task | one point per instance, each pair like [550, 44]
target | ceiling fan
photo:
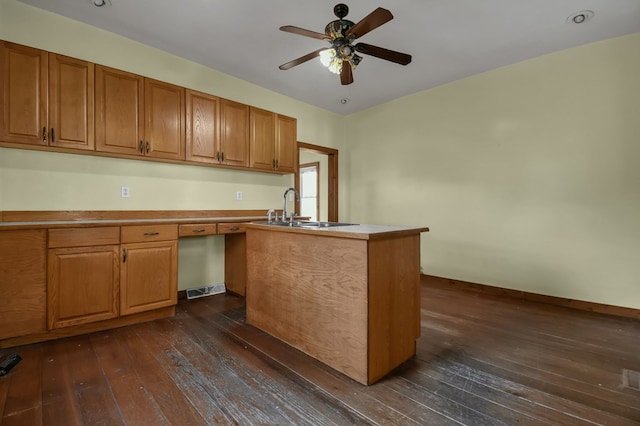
[341, 57]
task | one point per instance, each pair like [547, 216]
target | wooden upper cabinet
[71, 102]
[119, 111]
[263, 139]
[202, 127]
[138, 116]
[24, 94]
[273, 141]
[217, 130]
[234, 133]
[286, 144]
[47, 99]
[164, 120]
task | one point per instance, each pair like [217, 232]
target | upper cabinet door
[119, 111]
[71, 106]
[234, 133]
[263, 139]
[164, 120]
[286, 144]
[202, 126]
[23, 110]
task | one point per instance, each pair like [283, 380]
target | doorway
[327, 196]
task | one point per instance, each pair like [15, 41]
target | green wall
[527, 175]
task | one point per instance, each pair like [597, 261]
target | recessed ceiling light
[101, 3]
[580, 17]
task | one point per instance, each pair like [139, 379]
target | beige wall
[528, 176]
[31, 180]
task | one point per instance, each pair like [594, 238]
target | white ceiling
[448, 39]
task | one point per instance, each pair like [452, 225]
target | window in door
[309, 193]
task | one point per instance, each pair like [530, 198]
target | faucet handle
[291, 217]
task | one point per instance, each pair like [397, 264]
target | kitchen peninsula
[345, 295]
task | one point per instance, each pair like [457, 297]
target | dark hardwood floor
[481, 360]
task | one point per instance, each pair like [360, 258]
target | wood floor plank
[378, 407]
[482, 359]
[23, 403]
[59, 402]
[175, 405]
[130, 393]
[95, 399]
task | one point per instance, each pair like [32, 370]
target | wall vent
[631, 379]
[194, 293]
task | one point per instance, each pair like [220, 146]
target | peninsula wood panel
[311, 292]
[394, 302]
[23, 282]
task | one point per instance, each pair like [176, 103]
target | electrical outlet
[239, 195]
[124, 192]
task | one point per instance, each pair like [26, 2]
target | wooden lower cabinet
[83, 274]
[23, 282]
[149, 273]
[82, 285]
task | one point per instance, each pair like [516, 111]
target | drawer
[144, 233]
[79, 237]
[232, 228]
[197, 229]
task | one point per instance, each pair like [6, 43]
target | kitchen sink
[306, 224]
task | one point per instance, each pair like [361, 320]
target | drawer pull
[234, 228]
[197, 231]
[151, 234]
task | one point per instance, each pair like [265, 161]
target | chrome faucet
[284, 207]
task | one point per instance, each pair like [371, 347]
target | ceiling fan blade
[370, 22]
[303, 32]
[346, 75]
[382, 53]
[301, 59]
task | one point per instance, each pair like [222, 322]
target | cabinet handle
[151, 234]
[141, 147]
[53, 135]
[273, 164]
[124, 255]
[277, 164]
[218, 155]
[223, 156]
[44, 134]
[197, 231]
[148, 147]
[234, 228]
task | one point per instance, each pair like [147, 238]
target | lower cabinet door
[82, 285]
[149, 276]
